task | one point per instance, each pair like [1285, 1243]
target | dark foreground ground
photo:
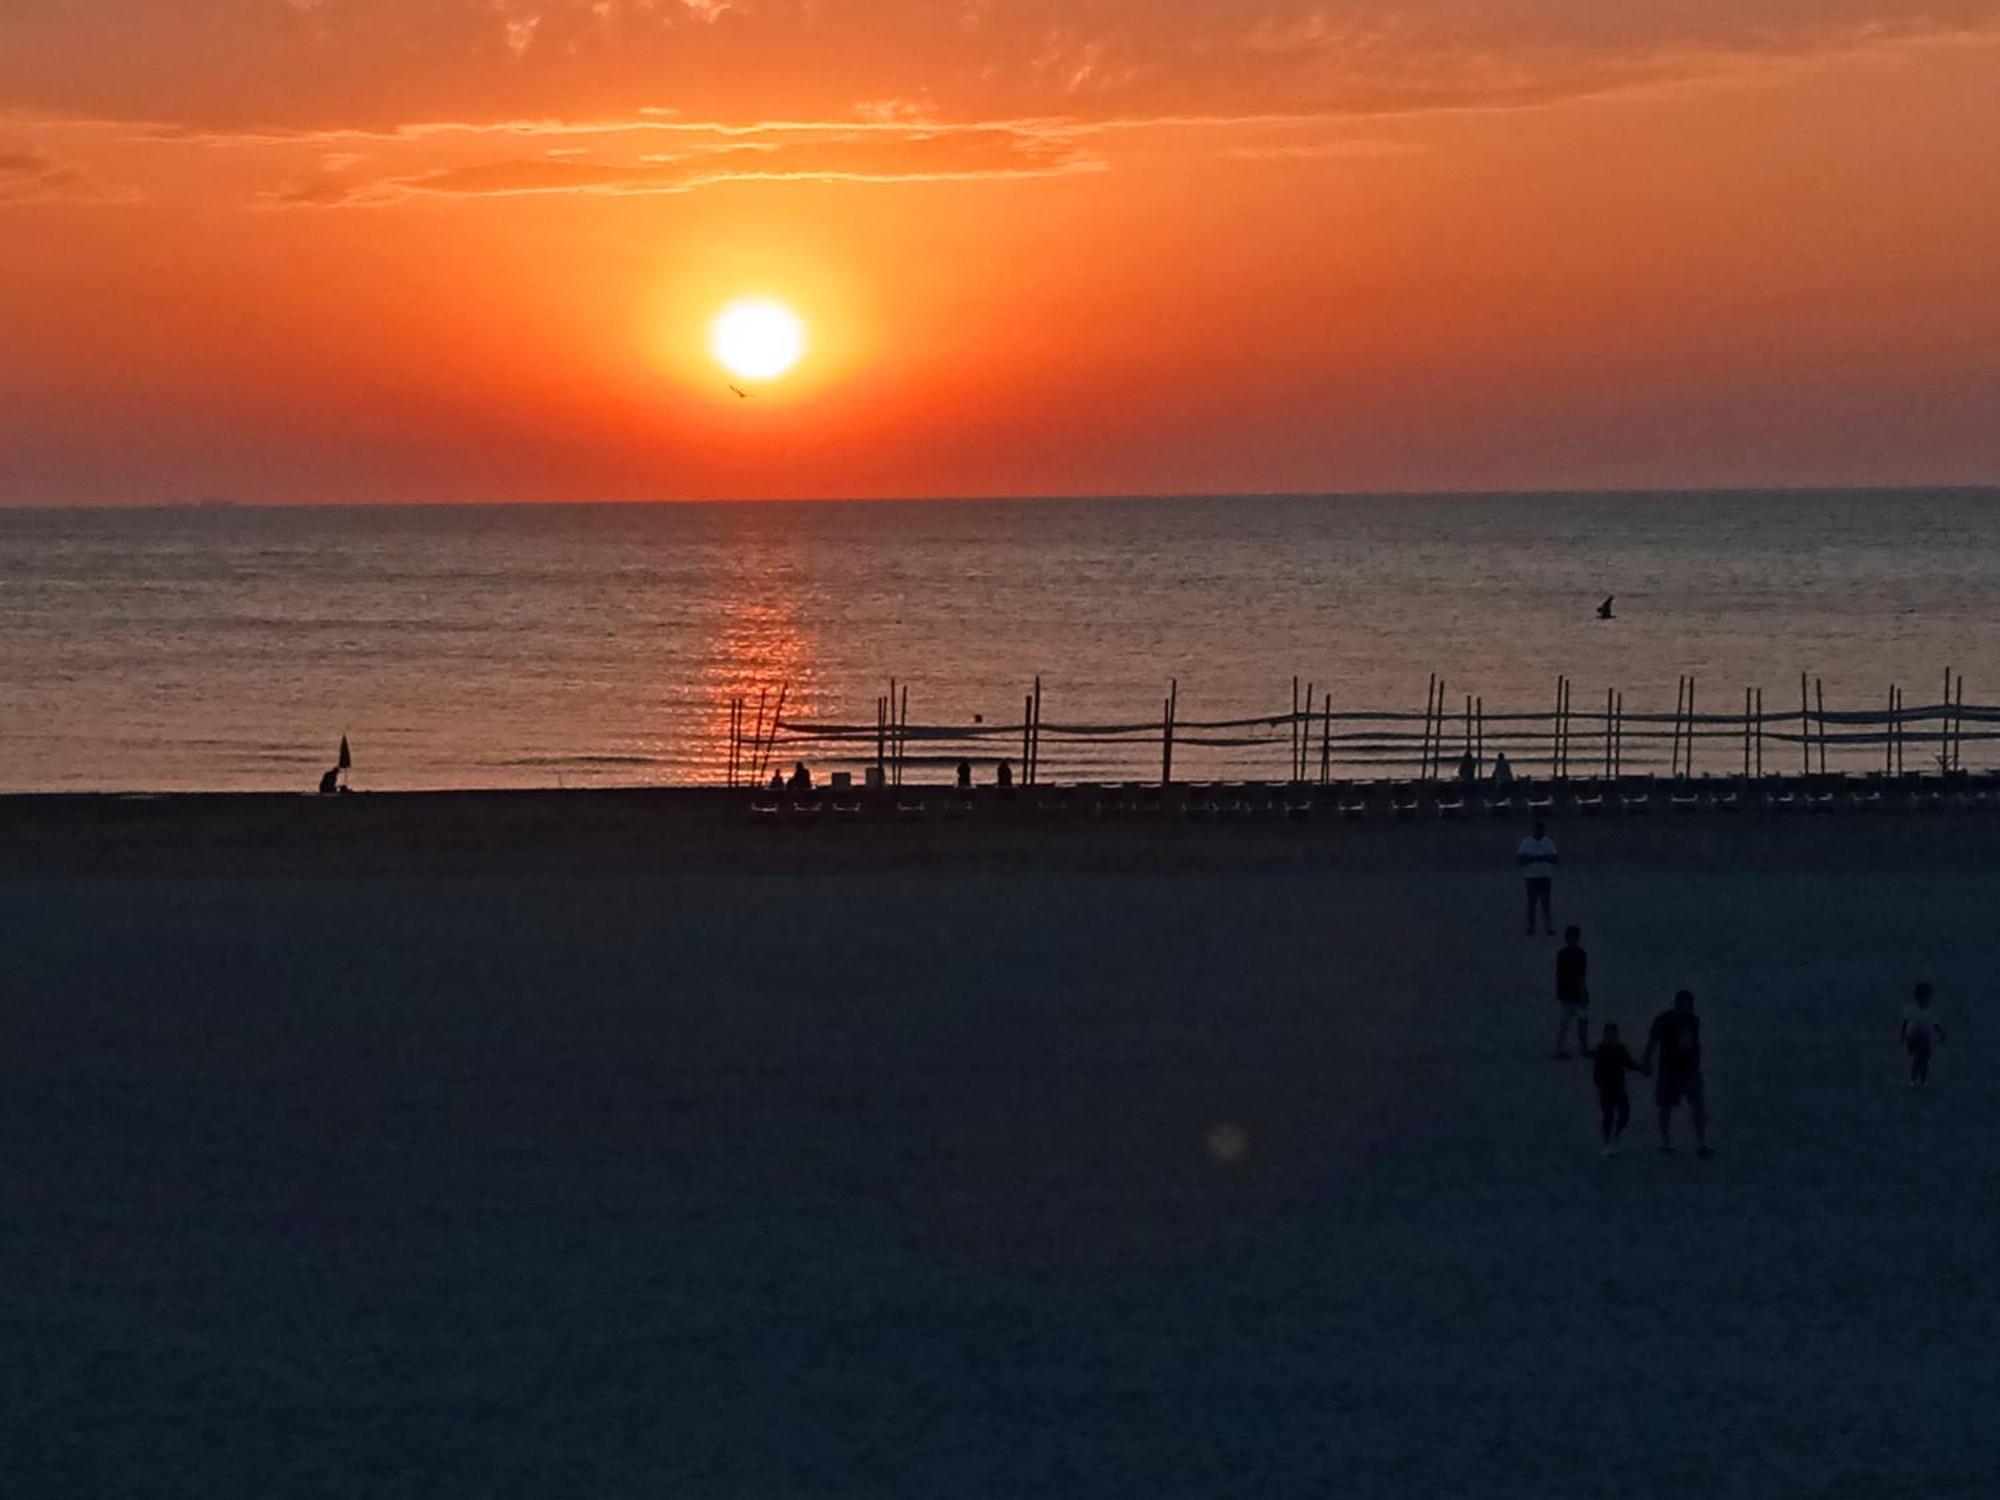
[608, 1146]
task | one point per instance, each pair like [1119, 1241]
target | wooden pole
[1945, 735]
[1889, 735]
[1618, 754]
[1167, 736]
[1306, 730]
[902, 734]
[1479, 734]
[771, 733]
[1027, 733]
[1958, 728]
[1688, 754]
[1424, 754]
[1680, 693]
[1746, 734]
[757, 737]
[1760, 734]
[1609, 701]
[1805, 740]
[1293, 724]
[1035, 749]
[1555, 739]
[1819, 691]
[1326, 743]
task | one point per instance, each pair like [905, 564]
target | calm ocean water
[601, 645]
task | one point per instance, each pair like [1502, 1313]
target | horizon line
[1763, 491]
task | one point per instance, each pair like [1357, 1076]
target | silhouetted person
[1676, 1040]
[1921, 1032]
[1503, 773]
[1468, 770]
[1536, 855]
[965, 776]
[777, 781]
[1572, 992]
[1003, 774]
[1608, 1066]
[330, 782]
[802, 779]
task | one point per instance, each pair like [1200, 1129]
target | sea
[213, 648]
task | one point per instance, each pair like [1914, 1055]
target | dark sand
[604, 1145]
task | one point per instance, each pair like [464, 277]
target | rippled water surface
[510, 646]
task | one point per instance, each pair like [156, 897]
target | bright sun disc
[758, 339]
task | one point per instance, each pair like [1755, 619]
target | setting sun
[757, 339]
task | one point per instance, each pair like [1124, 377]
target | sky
[460, 250]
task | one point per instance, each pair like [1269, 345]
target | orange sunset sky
[395, 250]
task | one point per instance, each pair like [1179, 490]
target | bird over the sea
[740, 393]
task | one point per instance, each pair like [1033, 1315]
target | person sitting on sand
[1573, 992]
[329, 784]
[802, 779]
[777, 781]
[1536, 855]
[1003, 774]
[1503, 773]
[1468, 769]
[1676, 1040]
[965, 776]
[1921, 1032]
[1609, 1064]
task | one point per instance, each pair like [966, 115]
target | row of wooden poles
[1598, 747]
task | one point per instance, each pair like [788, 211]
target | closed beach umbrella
[346, 759]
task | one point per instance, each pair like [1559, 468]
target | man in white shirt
[1537, 858]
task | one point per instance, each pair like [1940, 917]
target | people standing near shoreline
[1572, 992]
[1503, 773]
[1610, 1062]
[1536, 855]
[1921, 1032]
[1676, 1040]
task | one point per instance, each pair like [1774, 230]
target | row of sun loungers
[1397, 801]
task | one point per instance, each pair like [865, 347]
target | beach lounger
[1353, 808]
[765, 810]
[1450, 807]
[847, 812]
[911, 812]
[1298, 811]
[806, 812]
[959, 807]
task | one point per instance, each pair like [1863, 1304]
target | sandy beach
[607, 1144]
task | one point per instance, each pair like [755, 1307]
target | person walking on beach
[1536, 856]
[1921, 1032]
[1676, 1041]
[1609, 1064]
[1572, 992]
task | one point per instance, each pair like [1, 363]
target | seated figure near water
[802, 779]
[1503, 773]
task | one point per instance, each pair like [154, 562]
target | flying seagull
[1604, 609]
[741, 394]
